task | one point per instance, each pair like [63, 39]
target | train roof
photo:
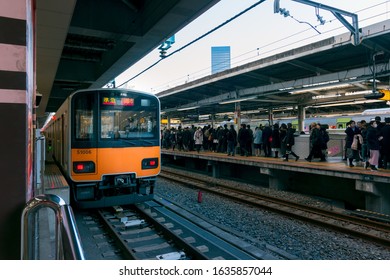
[381, 111]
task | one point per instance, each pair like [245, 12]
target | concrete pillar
[271, 116]
[237, 115]
[374, 203]
[168, 122]
[301, 118]
[366, 186]
[17, 84]
[277, 180]
[376, 196]
[215, 168]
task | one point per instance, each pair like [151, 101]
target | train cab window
[83, 113]
[128, 118]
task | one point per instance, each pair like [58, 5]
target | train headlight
[149, 163]
[83, 167]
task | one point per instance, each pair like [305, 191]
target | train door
[294, 124]
[83, 161]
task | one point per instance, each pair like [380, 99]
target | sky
[256, 34]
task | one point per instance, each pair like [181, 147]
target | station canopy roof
[327, 77]
[87, 43]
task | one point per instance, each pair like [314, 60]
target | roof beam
[375, 46]
[262, 77]
[308, 67]
[351, 76]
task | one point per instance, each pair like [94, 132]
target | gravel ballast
[265, 229]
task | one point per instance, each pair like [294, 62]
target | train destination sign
[123, 101]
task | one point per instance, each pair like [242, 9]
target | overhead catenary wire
[261, 47]
[300, 39]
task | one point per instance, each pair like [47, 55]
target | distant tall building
[220, 59]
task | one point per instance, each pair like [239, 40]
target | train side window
[83, 114]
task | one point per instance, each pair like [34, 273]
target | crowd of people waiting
[368, 143]
[263, 141]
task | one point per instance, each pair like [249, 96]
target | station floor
[53, 183]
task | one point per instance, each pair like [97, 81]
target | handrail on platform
[67, 238]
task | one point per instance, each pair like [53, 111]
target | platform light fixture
[345, 103]
[188, 108]
[321, 86]
[323, 96]
[382, 94]
[357, 92]
[48, 119]
[237, 100]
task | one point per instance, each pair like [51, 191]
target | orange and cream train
[107, 144]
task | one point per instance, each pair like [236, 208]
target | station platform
[353, 187]
[53, 182]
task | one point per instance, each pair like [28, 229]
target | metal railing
[67, 242]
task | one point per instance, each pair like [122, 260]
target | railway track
[160, 230]
[367, 229]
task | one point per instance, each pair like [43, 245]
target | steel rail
[363, 228]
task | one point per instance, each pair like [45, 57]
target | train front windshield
[124, 115]
[103, 117]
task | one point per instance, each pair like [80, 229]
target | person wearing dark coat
[385, 143]
[267, 134]
[224, 144]
[186, 138]
[282, 136]
[364, 151]
[231, 138]
[316, 143]
[351, 131]
[373, 145]
[380, 125]
[289, 142]
[275, 143]
[243, 139]
[250, 140]
[324, 139]
[221, 135]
